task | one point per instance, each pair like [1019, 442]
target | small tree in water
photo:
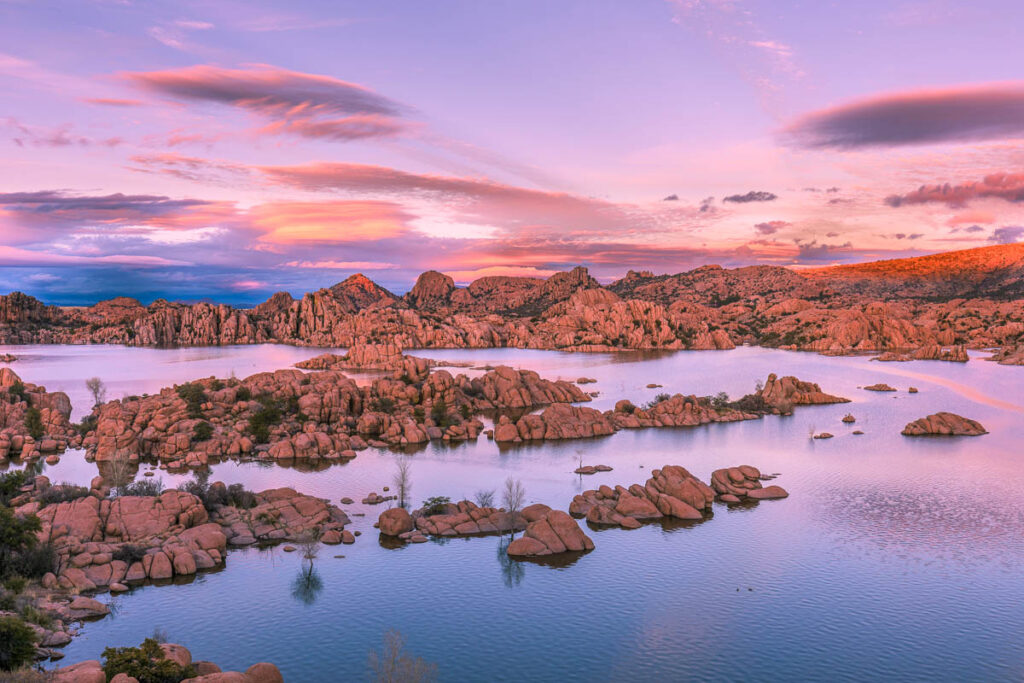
[513, 498]
[402, 480]
[98, 390]
[394, 665]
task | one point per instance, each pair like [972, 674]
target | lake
[894, 558]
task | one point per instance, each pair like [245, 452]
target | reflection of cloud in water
[934, 524]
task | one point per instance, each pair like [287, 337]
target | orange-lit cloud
[328, 222]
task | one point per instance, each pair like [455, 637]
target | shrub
[260, 422]
[216, 385]
[241, 497]
[17, 643]
[17, 535]
[36, 561]
[15, 584]
[194, 396]
[465, 411]
[10, 485]
[35, 616]
[62, 493]
[147, 663]
[485, 498]
[202, 431]
[87, 424]
[720, 400]
[629, 408]
[435, 505]
[17, 391]
[142, 487]
[34, 422]
[662, 397]
[243, 393]
[129, 553]
[439, 412]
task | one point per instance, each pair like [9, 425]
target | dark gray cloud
[1007, 235]
[671, 198]
[920, 117]
[752, 196]
[770, 227]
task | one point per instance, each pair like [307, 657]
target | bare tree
[393, 665]
[513, 498]
[403, 480]
[485, 498]
[310, 545]
[98, 390]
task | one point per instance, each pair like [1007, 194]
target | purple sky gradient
[227, 150]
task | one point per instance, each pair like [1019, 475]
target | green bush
[202, 431]
[241, 497]
[17, 535]
[435, 505]
[17, 391]
[34, 423]
[243, 394]
[260, 422]
[147, 663]
[15, 584]
[17, 643]
[36, 561]
[194, 397]
[10, 485]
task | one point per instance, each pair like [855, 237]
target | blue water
[893, 558]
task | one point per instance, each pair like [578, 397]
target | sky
[226, 150]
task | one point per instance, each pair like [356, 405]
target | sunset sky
[227, 150]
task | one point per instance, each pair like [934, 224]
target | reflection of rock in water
[511, 570]
[307, 584]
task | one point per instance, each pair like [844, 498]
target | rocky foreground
[104, 542]
[91, 670]
[931, 307]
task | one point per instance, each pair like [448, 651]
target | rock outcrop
[549, 532]
[734, 484]
[33, 421]
[670, 492]
[790, 391]
[944, 424]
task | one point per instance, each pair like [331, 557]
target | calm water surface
[892, 559]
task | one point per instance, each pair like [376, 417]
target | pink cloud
[1007, 186]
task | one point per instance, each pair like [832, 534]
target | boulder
[944, 424]
[395, 522]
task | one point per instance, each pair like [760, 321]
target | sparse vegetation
[260, 422]
[202, 431]
[142, 487]
[194, 396]
[485, 498]
[97, 389]
[61, 493]
[513, 498]
[402, 480]
[17, 643]
[147, 663]
[34, 422]
[436, 505]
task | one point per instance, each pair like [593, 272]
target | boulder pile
[734, 484]
[944, 424]
[670, 492]
[549, 532]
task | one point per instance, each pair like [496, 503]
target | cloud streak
[309, 105]
[1006, 186]
[954, 114]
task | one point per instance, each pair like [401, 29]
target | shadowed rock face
[926, 308]
[944, 424]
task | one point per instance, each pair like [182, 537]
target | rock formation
[928, 307]
[670, 492]
[91, 670]
[734, 484]
[33, 421]
[549, 532]
[944, 424]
